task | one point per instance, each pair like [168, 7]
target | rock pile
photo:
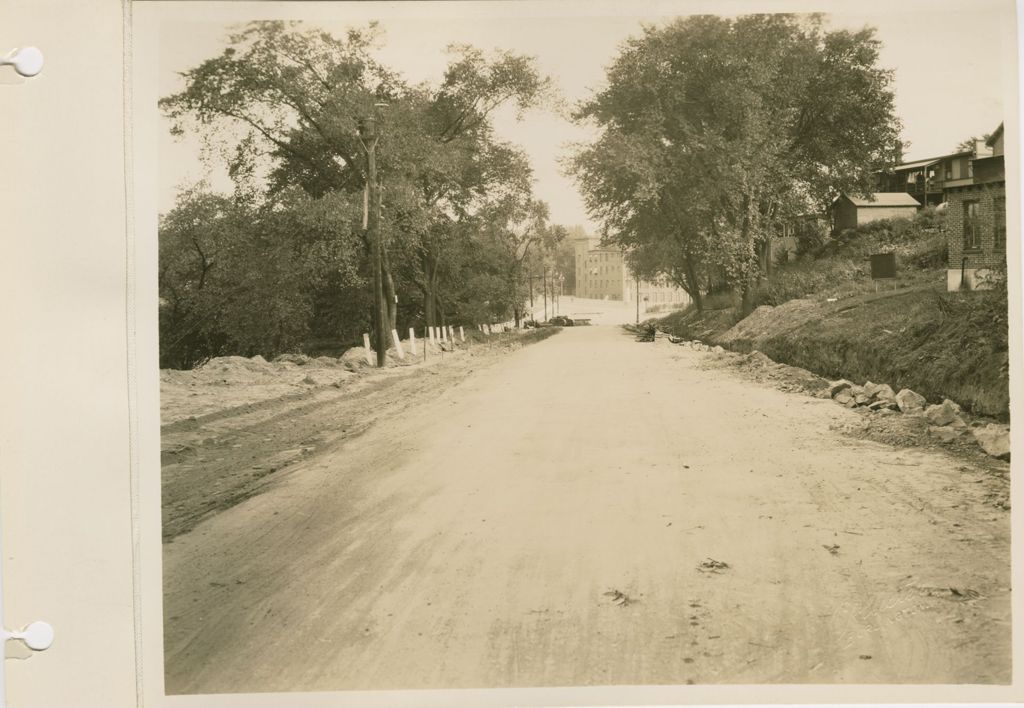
[875, 397]
[946, 421]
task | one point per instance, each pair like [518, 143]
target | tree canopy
[716, 130]
[283, 107]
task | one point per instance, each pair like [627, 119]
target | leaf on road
[712, 566]
[619, 598]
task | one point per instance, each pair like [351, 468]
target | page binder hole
[27, 61]
[38, 636]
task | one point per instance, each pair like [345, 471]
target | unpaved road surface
[591, 510]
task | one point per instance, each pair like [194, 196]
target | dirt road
[591, 510]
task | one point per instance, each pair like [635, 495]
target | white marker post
[430, 335]
[440, 331]
[412, 341]
[462, 333]
[398, 344]
[369, 352]
[451, 333]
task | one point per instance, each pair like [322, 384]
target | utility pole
[544, 277]
[368, 137]
[637, 299]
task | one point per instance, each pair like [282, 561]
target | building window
[970, 168]
[949, 170]
[972, 227]
[999, 223]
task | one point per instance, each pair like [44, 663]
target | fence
[435, 337]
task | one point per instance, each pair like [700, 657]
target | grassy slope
[917, 336]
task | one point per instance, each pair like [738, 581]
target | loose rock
[910, 401]
[994, 439]
[872, 389]
[884, 392]
[836, 387]
[943, 413]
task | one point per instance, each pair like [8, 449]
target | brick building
[602, 274]
[976, 222]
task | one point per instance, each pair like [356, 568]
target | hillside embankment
[823, 313]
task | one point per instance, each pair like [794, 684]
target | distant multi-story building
[602, 274]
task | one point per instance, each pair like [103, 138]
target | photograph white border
[145, 21]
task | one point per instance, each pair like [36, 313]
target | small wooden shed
[850, 212]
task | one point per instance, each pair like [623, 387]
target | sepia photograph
[519, 345]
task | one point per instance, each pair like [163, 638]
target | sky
[949, 76]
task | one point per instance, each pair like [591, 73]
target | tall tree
[285, 106]
[716, 130]
[277, 95]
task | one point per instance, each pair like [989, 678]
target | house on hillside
[928, 180]
[849, 212]
[976, 222]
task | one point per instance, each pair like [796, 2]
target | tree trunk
[694, 289]
[764, 257]
[748, 293]
[514, 292]
[380, 315]
[428, 307]
[430, 289]
[753, 270]
[389, 292]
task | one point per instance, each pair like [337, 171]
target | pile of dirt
[767, 321]
[230, 381]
